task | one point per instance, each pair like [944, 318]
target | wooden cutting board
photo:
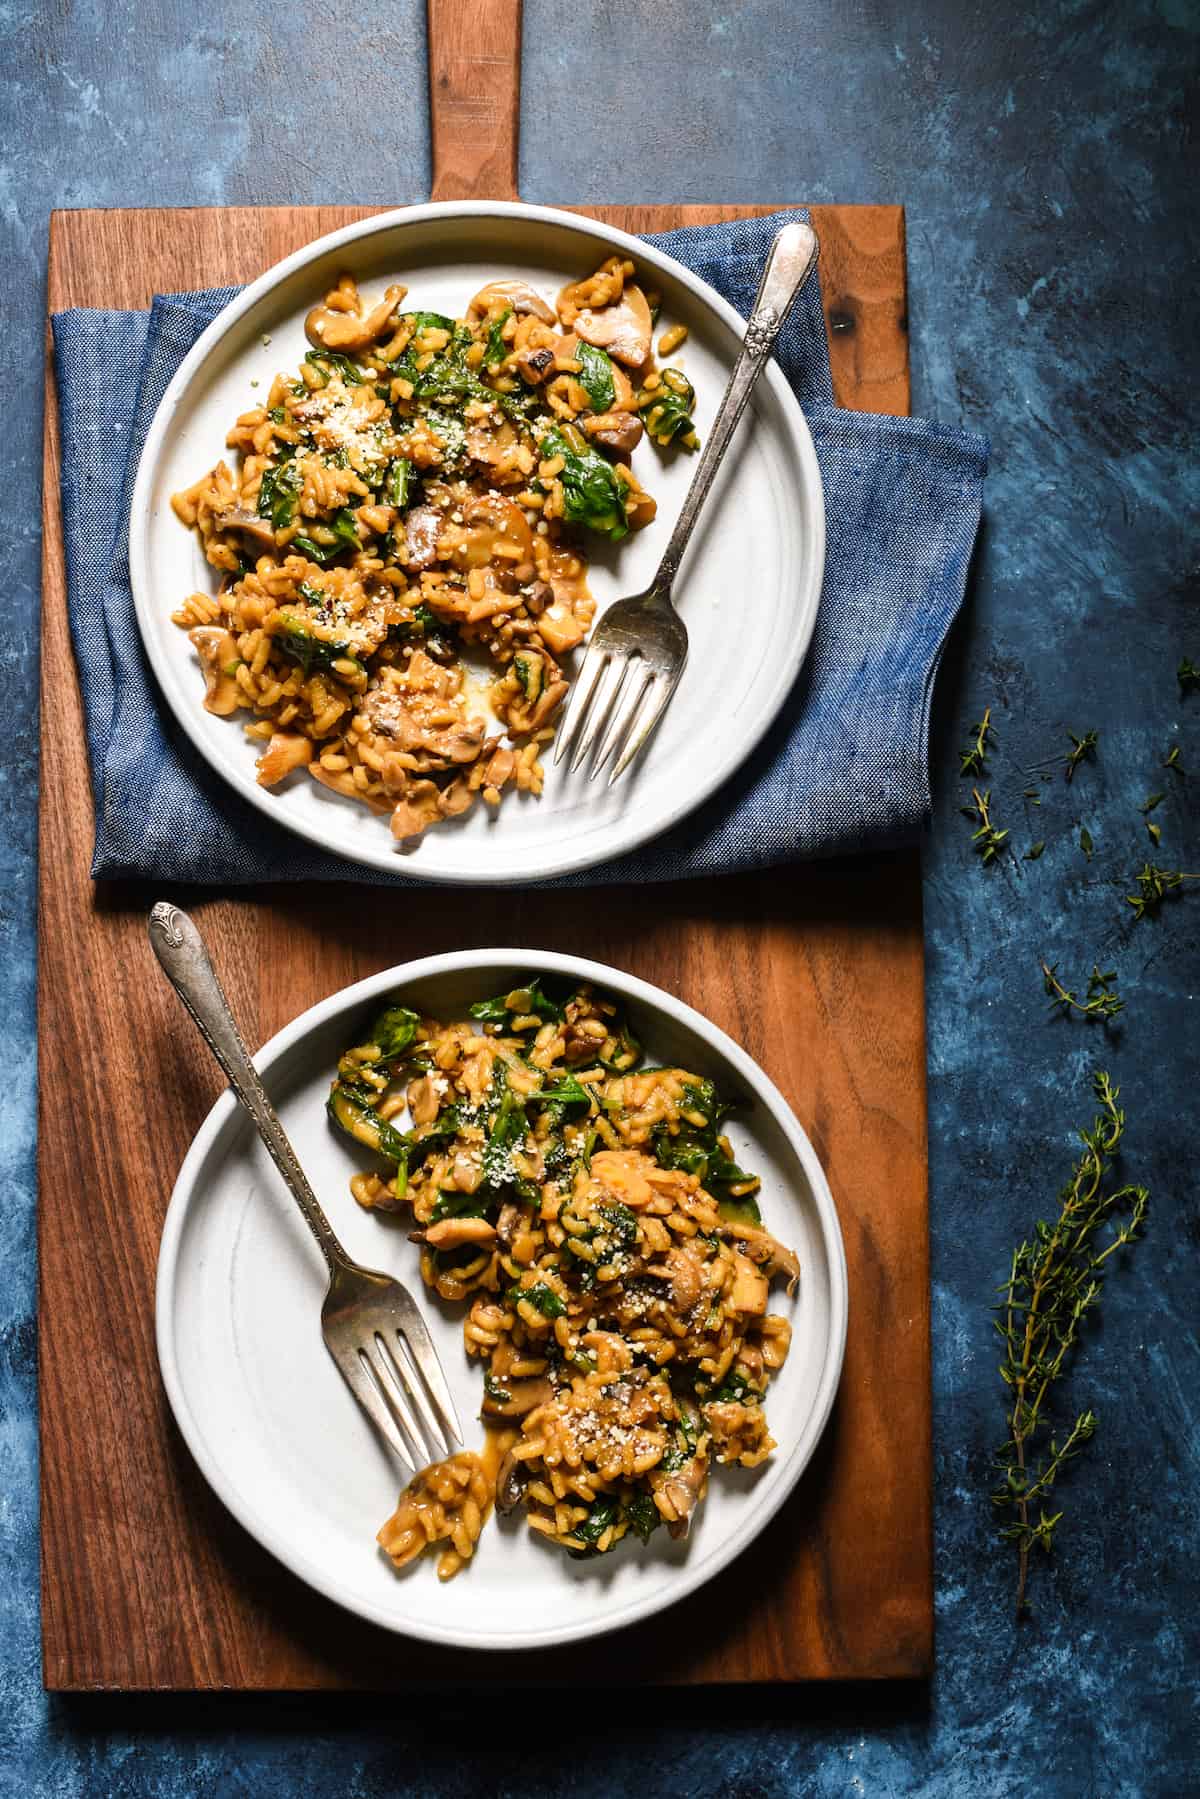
[146, 1581]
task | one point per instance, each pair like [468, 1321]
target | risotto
[588, 1212]
[401, 578]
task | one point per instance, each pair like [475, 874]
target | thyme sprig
[1188, 676]
[1154, 886]
[1102, 1000]
[1082, 749]
[974, 760]
[988, 841]
[1055, 1280]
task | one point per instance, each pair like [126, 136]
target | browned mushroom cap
[517, 294]
[511, 1480]
[258, 530]
[517, 1398]
[218, 655]
[615, 430]
[623, 329]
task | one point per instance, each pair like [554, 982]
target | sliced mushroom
[327, 329]
[764, 1249]
[621, 431]
[516, 294]
[679, 1493]
[494, 521]
[286, 751]
[534, 365]
[512, 1477]
[423, 1101]
[748, 1295]
[258, 530]
[685, 1277]
[418, 808]
[517, 1398]
[623, 329]
[454, 1233]
[500, 768]
[422, 530]
[218, 655]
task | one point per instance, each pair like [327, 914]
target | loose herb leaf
[1154, 830]
[1171, 761]
[1085, 842]
[1188, 676]
[1153, 800]
[1033, 852]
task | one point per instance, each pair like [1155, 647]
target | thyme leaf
[1188, 676]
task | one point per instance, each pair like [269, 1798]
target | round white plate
[748, 589]
[281, 1440]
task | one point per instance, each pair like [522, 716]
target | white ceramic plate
[267, 1417]
[748, 590]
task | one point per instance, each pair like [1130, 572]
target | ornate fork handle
[180, 949]
[792, 259]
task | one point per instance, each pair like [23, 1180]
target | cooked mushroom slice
[512, 1477]
[495, 524]
[620, 431]
[678, 1492]
[423, 1099]
[748, 1295]
[685, 1276]
[286, 751]
[258, 530]
[534, 365]
[417, 809]
[422, 530]
[327, 329]
[771, 1256]
[218, 655]
[623, 329]
[454, 1233]
[516, 1398]
[516, 294]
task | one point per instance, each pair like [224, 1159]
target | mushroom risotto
[589, 1211]
[416, 490]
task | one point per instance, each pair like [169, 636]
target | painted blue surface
[1040, 153]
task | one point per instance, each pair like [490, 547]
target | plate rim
[277, 1047]
[146, 609]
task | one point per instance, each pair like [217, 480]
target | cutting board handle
[474, 98]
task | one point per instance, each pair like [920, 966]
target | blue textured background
[1052, 252]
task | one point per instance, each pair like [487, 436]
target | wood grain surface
[147, 1581]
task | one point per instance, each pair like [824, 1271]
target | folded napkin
[844, 767]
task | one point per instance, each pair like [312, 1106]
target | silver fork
[370, 1323]
[643, 636]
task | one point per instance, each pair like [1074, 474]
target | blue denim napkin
[845, 766]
